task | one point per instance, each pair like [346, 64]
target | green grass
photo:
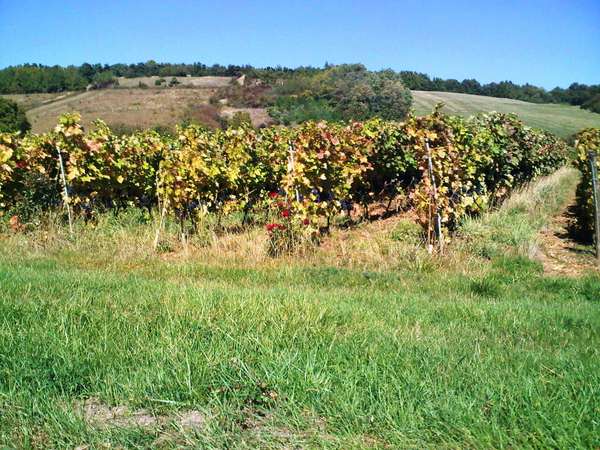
[562, 120]
[301, 355]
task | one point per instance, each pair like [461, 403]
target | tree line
[586, 96]
[31, 78]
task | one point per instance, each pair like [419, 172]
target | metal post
[65, 190]
[596, 196]
[438, 218]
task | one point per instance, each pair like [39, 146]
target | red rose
[306, 222]
[285, 213]
[273, 194]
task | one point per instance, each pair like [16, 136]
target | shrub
[344, 92]
[12, 117]
[239, 119]
[104, 79]
[593, 104]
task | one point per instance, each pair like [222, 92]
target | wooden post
[66, 199]
[160, 226]
[596, 197]
[291, 165]
[438, 218]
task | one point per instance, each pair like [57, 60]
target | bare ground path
[560, 253]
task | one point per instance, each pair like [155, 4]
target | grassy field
[366, 343]
[563, 120]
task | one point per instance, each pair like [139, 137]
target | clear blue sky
[545, 42]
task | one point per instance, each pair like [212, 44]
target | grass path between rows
[306, 356]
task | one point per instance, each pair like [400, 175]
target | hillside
[563, 120]
[153, 106]
[134, 107]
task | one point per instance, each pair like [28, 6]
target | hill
[165, 107]
[133, 108]
[562, 120]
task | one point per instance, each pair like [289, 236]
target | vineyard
[586, 141]
[444, 168]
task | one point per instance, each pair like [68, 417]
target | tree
[593, 104]
[12, 117]
[104, 79]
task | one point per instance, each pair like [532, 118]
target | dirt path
[560, 253]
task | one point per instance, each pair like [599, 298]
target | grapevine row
[319, 169]
[586, 141]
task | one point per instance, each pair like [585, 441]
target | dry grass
[126, 242]
[197, 82]
[136, 108]
[30, 101]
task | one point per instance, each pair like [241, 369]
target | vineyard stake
[162, 208]
[596, 197]
[65, 190]
[160, 226]
[438, 218]
[292, 163]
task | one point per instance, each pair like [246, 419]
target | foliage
[104, 79]
[12, 117]
[346, 92]
[298, 109]
[239, 119]
[593, 104]
[319, 168]
[204, 170]
[324, 163]
[586, 141]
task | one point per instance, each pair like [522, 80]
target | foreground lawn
[298, 354]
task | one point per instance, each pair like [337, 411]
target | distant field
[30, 101]
[129, 107]
[201, 82]
[563, 120]
[134, 107]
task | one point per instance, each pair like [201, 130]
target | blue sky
[547, 43]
